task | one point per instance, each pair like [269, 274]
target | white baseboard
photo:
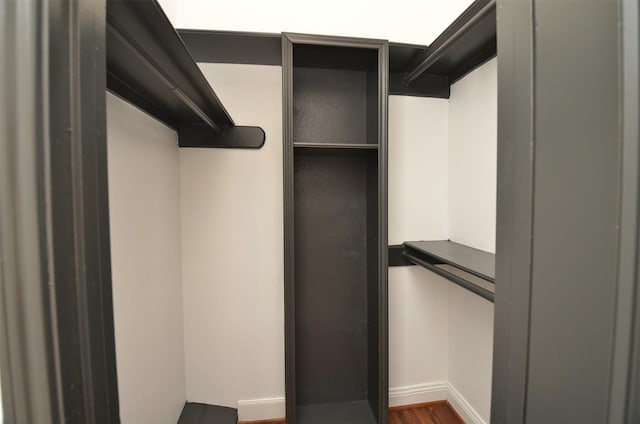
[468, 414]
[273, 408]
[261, 409]
[417, 393]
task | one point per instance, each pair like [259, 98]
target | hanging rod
[484, 293]
[437, 54]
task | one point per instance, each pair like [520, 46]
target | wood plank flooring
[427, 413]
[439, 412]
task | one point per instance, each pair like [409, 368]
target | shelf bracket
[230, 137]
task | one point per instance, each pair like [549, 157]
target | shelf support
[231, 137]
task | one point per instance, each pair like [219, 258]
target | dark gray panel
[373, 294]
[329, 105]
[514, 210]
[383, 258]
[372, 110]
[425, 85]
[233, 47]
[289, 231]
[230, 137]
[576, 210]
[395, 256]
[335, 57]
[336, 413]
[404, 57]
[474, 261]
[331, 278]
[200, 413]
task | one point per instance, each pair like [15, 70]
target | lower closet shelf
[467, 267]
[358, 412]
[200, 413]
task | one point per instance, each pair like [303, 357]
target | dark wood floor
[427, 413]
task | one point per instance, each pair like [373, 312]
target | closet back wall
[144, 208]
[232, 238]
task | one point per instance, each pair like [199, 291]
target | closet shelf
[149, 66]
[433, 254]
[466, 44]
[358, 146]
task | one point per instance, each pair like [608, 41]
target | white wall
[473, 136]
[144, 208]
[472, 213]
[412, 21]
[418, 309]
[232, 237]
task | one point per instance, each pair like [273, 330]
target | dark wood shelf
[433, 254]
[468, 259]
[466, 44]
[356, 146]
[200, 413]
[149, 66]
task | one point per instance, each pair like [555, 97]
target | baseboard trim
[417, 393]
[261, 409]
[464, 409]
[271, 410]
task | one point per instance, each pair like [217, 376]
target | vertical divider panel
[289, 259]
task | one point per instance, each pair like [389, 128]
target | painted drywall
[412, 21]
[144, 208]
[418, 309]
[472, 213]
[473, 135]
[232, 238]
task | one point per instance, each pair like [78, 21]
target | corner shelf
[149, 66]
[466, 44]
[432, 254]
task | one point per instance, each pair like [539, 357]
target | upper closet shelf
[466, 44]
[149, 66]
[447, 258]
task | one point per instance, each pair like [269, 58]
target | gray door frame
[567, 319]
[57, 352]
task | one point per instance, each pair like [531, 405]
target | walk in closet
[319, 213]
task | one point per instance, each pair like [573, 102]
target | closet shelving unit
[149, 66]
[335, 153]
[335, 94]
[465, 45]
